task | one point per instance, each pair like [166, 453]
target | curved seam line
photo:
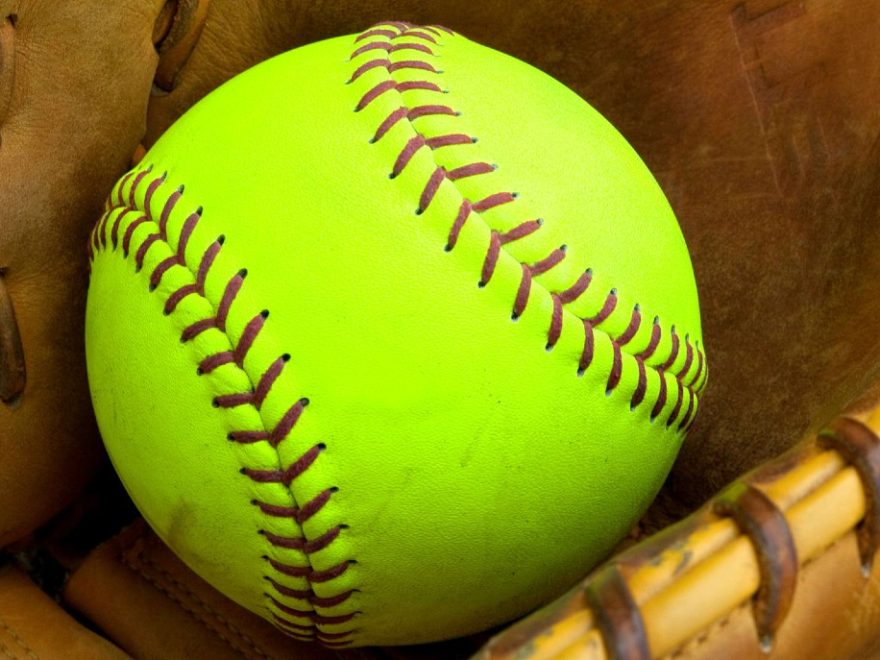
[98, 241]
[684, 343]
[166, 591]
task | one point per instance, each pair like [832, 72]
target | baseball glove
[780, 564]
[74, 82]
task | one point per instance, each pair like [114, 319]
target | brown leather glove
[759, 119]
[74, 82]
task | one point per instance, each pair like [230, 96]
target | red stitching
[642, 387]
[375, 45]
[411, 64]
[573, 292]
[616, 368]
[389, 122]
[375, 32]
[418, 35]
[607, 308]
[689, 357]
[633, 327]
[448, 140]
[237, 355]
[464, 211]
[548, 262]
[148, 196]
[367, 66]
[135, 185]
[298, 631]
[422, 48]
[314, 617]
[673, 353]
[653, 343]
[199, 287]
[674, 414]
[129, 232]
[690, 408]
[120, 187]
[587, 352]
[301, 514]
[406, 154]
[699, 371]
[429, 110]
[308, 572]
[374, 93]
[114, 233]
[661, 398]
[493, 200]
[522, 293]
[308, 546]
[555, 322]
[288, 474]
[431, 188]
[469, 170]
[497, 240]
[309, 596]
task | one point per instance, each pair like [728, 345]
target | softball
[392, 337]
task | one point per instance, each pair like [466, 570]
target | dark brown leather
[623, 629]
[861, 448]
[74, 82]
[764, 523]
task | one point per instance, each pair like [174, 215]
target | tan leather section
[700, 586]
[149, 603]
[33, 626]
[834, 616]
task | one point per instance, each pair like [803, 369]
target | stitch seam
[210, 611]
[284, 615]
[4, 625]
[381, 40]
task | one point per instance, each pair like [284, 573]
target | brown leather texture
[150, 604]
[74, 82]
[758, 117]
[33, 626]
